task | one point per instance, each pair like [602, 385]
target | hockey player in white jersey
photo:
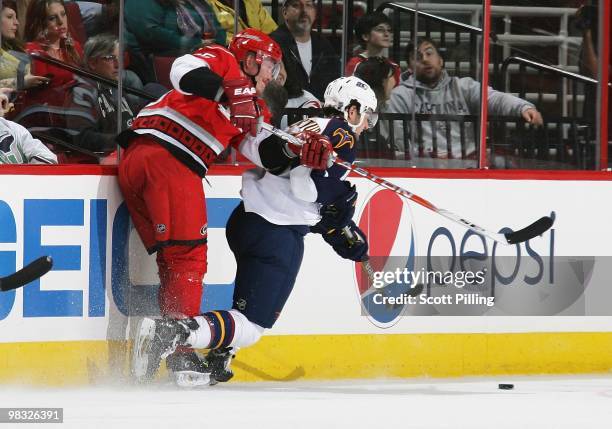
[265, 233]
[17, 146]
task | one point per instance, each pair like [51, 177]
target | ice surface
[535, 402]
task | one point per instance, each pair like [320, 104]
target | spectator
[17, 146]
[99, 126]
[47, 33]
[168, 28]
[379, 73]
[316, 63]
[14, 62]
[297, 96]
[252, 14]
[102, 57]
[374, 34]
[430, 90]
[99, 17]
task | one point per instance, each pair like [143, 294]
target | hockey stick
[356, 239]
[27, 274]
[535, 229]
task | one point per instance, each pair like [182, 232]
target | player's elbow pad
[274, 155]
[203, 82]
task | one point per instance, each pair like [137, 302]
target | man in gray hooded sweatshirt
[438, 93]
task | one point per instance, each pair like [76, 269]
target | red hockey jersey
[192, 128]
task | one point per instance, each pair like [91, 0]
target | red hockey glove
[316, 152]
[244, 112]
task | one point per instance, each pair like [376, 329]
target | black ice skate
[155, 340]
[188, 369]
[219, 361]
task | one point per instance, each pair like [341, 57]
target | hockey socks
[220, 333]
[219, 329]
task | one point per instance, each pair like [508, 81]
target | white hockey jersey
[17, 146]
[291, 198]
[271, 196]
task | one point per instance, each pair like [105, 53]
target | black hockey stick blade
[27, 274]
[539, 227]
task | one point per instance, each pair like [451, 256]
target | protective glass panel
[430, 102]
[60, 63]
[542, 115]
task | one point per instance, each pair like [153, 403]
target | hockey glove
[339, 213]
[244, 112]
[351, 245]
[315, 152]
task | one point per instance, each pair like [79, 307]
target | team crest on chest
[344, 138]
[6, 140]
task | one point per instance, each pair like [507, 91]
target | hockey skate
[188, 369]
[219, 361]
[155, 340]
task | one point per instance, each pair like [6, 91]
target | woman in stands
[98, 134]
[46, 31]
[50, 107]
[379, 73]
[14, 62]
[374, 34]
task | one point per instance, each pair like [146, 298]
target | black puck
[505, 386]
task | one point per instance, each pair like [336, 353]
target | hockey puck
[503, 386]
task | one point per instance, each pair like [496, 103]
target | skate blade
[190, 379]
[142, 347]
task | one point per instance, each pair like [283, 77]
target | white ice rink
[535, 402]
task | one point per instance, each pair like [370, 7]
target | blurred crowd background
[75, 73]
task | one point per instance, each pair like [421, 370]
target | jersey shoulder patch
[340, 134]
[307, 125]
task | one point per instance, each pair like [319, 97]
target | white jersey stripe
[173, 142]
[183, 65]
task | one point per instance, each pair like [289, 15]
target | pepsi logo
[387, 221]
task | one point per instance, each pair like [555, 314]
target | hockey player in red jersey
[169, 148]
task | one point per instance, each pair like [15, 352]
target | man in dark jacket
[315, 59]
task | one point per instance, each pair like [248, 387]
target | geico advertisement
[102, 275]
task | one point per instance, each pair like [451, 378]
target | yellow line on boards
[325, 357]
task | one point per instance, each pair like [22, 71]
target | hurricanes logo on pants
[161, 228]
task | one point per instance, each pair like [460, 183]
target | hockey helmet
[344, 91]
[264, 47]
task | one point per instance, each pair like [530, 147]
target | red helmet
[251, 40]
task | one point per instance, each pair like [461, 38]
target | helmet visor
[372, 118]
[269, 64]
